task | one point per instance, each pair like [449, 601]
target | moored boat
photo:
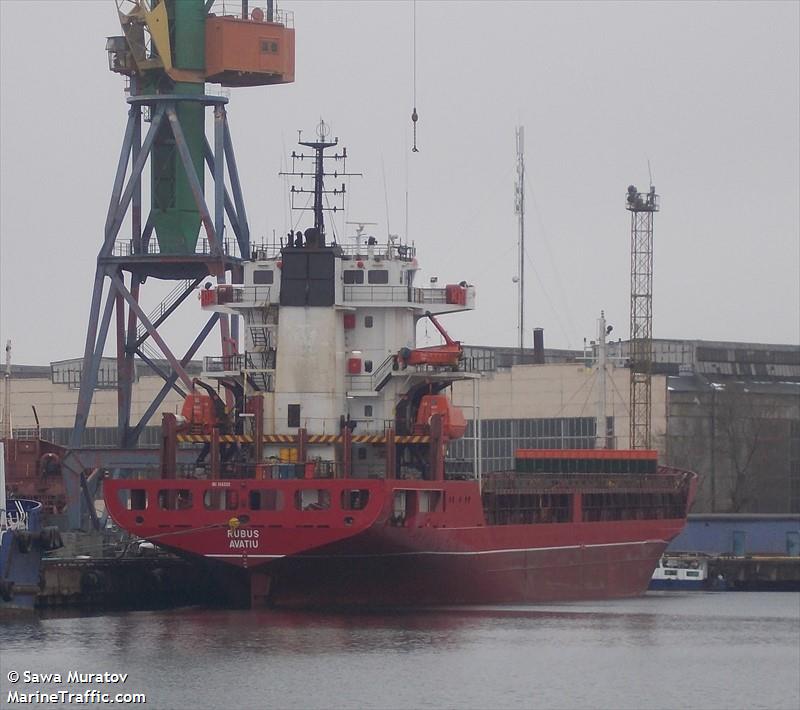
[676, 572]
[22, 542]
[323, 477]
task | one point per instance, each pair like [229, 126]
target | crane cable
[414, 116]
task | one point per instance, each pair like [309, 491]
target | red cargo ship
[327, 481]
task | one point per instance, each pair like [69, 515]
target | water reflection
[730, 650]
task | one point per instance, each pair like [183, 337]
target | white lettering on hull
[243, 539]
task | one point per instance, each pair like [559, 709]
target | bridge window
[263, 276]
[367, 365]
[353, 276]
[378, 276]
[368, 410]
[293, 419]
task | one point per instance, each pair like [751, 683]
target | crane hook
[414, 119]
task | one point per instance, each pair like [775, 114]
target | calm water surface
[671, 650]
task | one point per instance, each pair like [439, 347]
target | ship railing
[128, 248]
[26, 433]
[459, 469]
[223, 363]
[269, 11]
[224, 294]
[382, 372]
[14, 518]
[381, 375]
[233, 363]
[383, 294]
[511, 480]
[394, 294]
[360, 383]
[267, 471]
[370, 381]
[178, 293]
[463, 366]
[391, 250]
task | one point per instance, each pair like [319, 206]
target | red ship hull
[371, 556]
[530, 574]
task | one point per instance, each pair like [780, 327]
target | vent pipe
[538, 346]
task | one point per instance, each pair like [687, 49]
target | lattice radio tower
[642, 206]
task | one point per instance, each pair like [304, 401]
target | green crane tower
[169, 50]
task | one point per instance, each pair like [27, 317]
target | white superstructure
[322, 327]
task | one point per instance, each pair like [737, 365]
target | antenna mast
[642, 206]
[601, 424]
[317, 236]
[7, 429]
[519, 209]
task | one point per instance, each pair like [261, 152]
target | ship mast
[519, 209]
[319, 147]
[316, 237]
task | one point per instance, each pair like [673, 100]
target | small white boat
[680, 571]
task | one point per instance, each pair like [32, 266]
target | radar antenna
[319, 147]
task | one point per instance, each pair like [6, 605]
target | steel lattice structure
[138, 258]
[169, 51]
[642, 206]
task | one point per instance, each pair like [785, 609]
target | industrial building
[730, 411]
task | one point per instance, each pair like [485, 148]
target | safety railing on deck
[370, 381]
[390, 251]
[126, 248]
[234, 363]
[392, 294]
[376, 379]
[269, 11]
[269, 470]
[243, 294]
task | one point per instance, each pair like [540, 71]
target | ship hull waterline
[370, 557]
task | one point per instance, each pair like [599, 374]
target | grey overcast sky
[707, 92]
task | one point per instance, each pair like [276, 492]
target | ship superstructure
[330, 347]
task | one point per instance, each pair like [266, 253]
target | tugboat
[324, 479]
[22, 542]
